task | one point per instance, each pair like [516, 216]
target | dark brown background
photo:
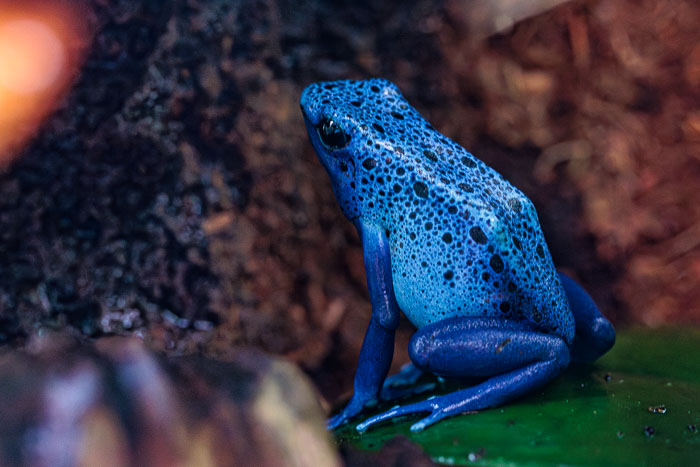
[173, 193]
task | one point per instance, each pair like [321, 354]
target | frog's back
[464, 241]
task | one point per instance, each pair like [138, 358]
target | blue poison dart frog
[448, 241]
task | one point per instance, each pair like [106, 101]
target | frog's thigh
[465, 347]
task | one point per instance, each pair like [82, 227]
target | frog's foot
[354, 407]
[431, 405]
[336, 420]
[408, 374]
[595, 335]
[403, 384]
[512, 355]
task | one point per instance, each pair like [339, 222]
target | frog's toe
[398, 411]
[336, 420]
[434, 417]
[356, 405]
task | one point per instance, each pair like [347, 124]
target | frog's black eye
[332, 136]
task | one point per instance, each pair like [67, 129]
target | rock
[116, 403]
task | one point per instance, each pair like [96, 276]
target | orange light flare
[42, 44]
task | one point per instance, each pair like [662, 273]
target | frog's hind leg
[513, 356]
[594, 333]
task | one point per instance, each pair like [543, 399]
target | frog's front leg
[378, 346]
[514, 357]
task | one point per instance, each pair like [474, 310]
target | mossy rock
[638, 405]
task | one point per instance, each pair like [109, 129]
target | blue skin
[457, 248]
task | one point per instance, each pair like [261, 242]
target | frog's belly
[425, 299]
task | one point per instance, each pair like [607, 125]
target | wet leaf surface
[605, 413]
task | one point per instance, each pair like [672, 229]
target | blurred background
[156, 179]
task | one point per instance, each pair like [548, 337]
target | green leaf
[592, 414]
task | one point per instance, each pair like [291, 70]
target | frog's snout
[308, 103]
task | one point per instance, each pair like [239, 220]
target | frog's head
[354, 127]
